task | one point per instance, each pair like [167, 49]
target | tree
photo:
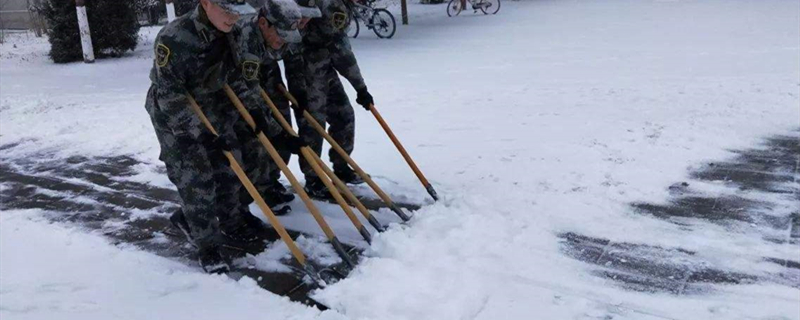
[113, 23]
[185, 6]
[152, 9]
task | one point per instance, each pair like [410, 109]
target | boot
[347, 175]
[277, 195]
[265, 231]
[279, 209]
[255, 223]
[242, 231]
[316, 189]
[212, 261]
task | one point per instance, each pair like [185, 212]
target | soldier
[194, 57]
[327, 53]
[260, 48]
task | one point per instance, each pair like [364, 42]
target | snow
[549, 117]
[270, 260]
[75, 275]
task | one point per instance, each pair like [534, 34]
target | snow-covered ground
[549, 117]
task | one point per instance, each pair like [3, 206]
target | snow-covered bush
[113, 25]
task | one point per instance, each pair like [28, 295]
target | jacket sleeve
[248, 89]
[344, 61]
[245, 80]
[171, 92]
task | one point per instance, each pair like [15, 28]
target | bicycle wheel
[489, 6]
[353, 28]
[383, 23]
[454, 8]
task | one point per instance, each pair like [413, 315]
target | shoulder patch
[162, 55]
[250, 70]
[339, 20]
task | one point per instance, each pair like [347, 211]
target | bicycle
[486, 6]
[381, 21]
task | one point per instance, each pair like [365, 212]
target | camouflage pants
[328, 104]
[208, 189]
[258, 164]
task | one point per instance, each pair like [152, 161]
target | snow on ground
[551, 116]
[73, 275]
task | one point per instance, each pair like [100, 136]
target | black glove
[261, 123]
[289, 142]
[302, 101]
[215, 146]
[365, 99]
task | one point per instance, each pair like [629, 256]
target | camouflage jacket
[253, 50]
[322, 31]
[193, 57]
[325, 38]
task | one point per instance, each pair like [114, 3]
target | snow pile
[270, 260]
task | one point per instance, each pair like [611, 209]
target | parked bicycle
[381, 21]
[486, 6]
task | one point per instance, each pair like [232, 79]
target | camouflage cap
[309, 9]
[284, 15]
[239, 7]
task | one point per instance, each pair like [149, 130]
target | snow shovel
[335, 145]
[298, 255]
[404, 153]
[311, 156]
[299, 188]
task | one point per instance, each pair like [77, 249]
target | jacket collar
[205, 29]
